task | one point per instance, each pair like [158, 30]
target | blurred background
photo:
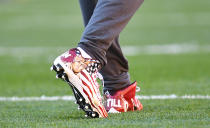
[166, 43]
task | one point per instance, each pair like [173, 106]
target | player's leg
[115, 72]
[108, 20]
[87, 8]
[100, 40]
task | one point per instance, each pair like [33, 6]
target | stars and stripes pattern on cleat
[81, 74]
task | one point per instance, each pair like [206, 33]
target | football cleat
[122, 100]
[81, 74]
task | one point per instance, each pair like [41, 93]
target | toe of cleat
[59, 72]
[57, 68]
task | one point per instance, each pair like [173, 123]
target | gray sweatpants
[104, 20]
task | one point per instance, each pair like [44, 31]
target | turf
[182, 74]
[187, 113]
[38, 22]
[52, 24]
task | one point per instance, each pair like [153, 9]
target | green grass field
[34, 32]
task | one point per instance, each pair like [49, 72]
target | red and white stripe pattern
[84, 81]
[91, 89]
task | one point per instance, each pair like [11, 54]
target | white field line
[71, 98]
[165, 49]
[127, 50]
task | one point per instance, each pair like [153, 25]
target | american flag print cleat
[81, 74]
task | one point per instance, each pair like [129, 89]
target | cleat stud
[58, 69]
[75, 102]
[86, 107]
[86, 115]
[63, 76]
[78, 108]
[56, 76]
[93, 114]
[80, 99]
[51, 68]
